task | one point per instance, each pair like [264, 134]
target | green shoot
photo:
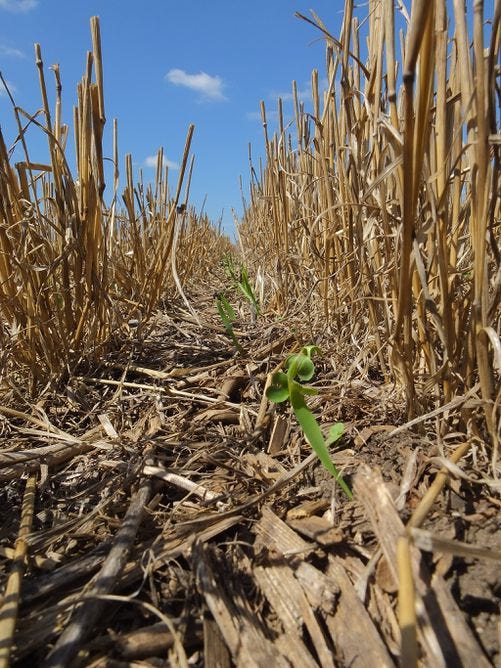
[228, 317]
[239, 276]
[246, 289]
[285, 386]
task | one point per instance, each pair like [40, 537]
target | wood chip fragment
[107, 426]
[216, 654]
[294, 650]
[180, 481]
[285, 594]
[444, 634]
[276, 536]
[153, 640]
[318, 529]
[86, 615]
[321, 590]
[358, 643]
[308, 508]
[429, 542]
[278, 435]
[222, 415]
[239, 626]
[365, 434]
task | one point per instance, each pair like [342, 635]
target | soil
[263, 560]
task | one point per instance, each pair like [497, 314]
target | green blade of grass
[228, 316]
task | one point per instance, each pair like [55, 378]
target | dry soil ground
[166, 480]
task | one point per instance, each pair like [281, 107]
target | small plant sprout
[228, 317]
[285, 386]
[239, 276]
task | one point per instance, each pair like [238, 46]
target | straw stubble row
[381, 205]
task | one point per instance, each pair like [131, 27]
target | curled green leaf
[310, 350]
[278, 391]
[301, 366]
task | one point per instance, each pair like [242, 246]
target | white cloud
[3, 92]
[18, 5]
[10, 51]
[303, 93]
[271, 115]
[210, 87]
[285, 97]
[151, 161]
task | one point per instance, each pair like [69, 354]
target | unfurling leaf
[310, 350]
[300, 366]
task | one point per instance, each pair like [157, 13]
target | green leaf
[246, 289]
[285, 386]
[315, 438]
[310, 350]
[278, 391]
[301, 366]
[225, 310]
[304, 389]
[227, 315]
[335, 433]
[305, 368]
[222, 314]
[229, 267]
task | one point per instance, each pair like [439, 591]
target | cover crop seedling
[239, 276]
[228, 317]
[285, 386]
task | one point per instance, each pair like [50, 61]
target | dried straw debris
[173, 526]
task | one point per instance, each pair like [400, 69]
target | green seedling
[239, 277]
[228, 317]
[285, 386]
[246, 289]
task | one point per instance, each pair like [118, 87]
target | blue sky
[168, 64]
